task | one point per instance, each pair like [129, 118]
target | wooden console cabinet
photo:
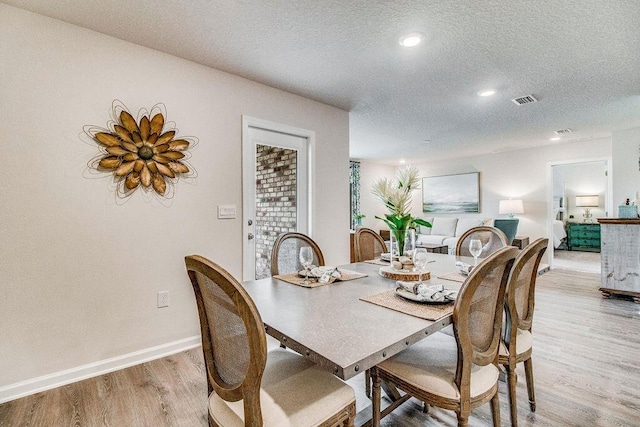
[620, 257]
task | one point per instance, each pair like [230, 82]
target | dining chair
[460, 372]
[284, 255]
[517, 339]
[369, 244]
[248, 385]
[492, 239]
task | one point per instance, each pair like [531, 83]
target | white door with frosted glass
[275, 171]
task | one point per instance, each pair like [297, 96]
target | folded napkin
[464, 267]
[434, 293]
[413, 287]
[329, 275]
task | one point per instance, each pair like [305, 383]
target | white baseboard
[57, 379]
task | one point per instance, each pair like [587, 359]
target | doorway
[573, 226]
[275, 170]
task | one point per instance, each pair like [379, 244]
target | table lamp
[510, 207]
[587, 202]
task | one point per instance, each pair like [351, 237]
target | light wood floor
[586, 370]
[586, 262]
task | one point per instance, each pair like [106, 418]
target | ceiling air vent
[527, 99]
[563, 131]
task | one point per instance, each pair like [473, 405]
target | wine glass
[306, 258]
[475, 248]
[420, 261]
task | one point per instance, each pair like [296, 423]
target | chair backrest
[369, 244]
[234, 342]
[286, 250]
[477, 314]
[520, 298]
[508, 226]
[492, 239]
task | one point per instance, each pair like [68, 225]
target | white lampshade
[511, 207]
[587, 201]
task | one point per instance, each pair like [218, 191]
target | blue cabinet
[583, 237]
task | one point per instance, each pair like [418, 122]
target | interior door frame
[248, 177]
[608, 203]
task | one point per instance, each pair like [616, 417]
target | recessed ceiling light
[555, 138]
[487, 92]
[402, 161]
[411, 39]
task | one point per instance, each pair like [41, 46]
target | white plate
[413, 297]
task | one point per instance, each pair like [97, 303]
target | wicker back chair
[492, 239]
[517, 342]
[460, 372]
[286, 250]
[238, 367]
[369, 244]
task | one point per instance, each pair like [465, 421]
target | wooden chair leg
[495, 410]
[375, 400]
[367, 383]
[463, 419]
[528, 370]
[512, 380]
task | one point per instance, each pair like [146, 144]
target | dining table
[333, 326]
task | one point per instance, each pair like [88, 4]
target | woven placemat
[389, 299]
[455, 276]
[295, 279]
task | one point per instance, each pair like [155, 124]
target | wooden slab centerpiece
[406, 275]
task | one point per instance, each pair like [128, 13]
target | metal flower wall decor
[142, 153]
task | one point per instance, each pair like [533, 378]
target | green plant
[358, 216]
[396, 195]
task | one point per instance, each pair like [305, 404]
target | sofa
[447, 231]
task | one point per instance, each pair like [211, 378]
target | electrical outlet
[163, 299]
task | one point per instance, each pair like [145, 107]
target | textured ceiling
[580, 58]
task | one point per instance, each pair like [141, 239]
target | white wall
[581, 179]
[626, 164]
[369, 205]
[79, 272]
[519, 174]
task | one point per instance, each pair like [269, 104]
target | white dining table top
[330, 324]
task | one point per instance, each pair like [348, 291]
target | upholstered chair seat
[431, 364]
[294, 392]
[524, 343]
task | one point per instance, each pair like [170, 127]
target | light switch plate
[226, 211]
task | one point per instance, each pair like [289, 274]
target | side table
[520, 242]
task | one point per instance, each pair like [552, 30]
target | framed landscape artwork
[451, 193]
